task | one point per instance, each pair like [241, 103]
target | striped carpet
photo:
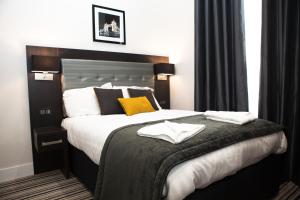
[288, 191]
[52, 185]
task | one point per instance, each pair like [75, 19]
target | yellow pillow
[132, 106]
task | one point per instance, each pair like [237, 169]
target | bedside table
[51, 139]
[162, 93]
[164, 104]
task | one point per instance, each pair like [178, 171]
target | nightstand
[48, 139]
[162, 93]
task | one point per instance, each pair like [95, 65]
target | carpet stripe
[289, 191]
[44, 190]
[82, 193]
[284, 191]
[53, 186]
[29, 193]
[50, 185]
[31, 184]
[295, 196]
[292, 191]
[58, 193]
[29, 178]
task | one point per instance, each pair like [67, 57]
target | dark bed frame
[259, 181]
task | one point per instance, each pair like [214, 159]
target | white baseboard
[14, 172]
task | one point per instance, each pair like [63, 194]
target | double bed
[248, 169]
[84, 135]
[87, 136]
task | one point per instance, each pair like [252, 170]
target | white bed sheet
[88, 133]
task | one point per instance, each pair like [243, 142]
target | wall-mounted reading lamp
[163, 70]
[44, 67]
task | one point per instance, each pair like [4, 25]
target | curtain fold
[220, 63]
[280, 76]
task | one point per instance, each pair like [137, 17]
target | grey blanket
[135, 168]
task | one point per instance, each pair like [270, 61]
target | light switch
[42, 112]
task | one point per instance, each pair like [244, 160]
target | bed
[246, 170]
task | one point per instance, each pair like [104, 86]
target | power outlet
[46, 111]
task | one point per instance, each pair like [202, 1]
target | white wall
[253, 14]
[152, 27]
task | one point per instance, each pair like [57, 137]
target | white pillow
[82, 101]
[125, 91]
[126, 94]
[106, 86]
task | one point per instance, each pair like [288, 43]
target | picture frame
[108, 25]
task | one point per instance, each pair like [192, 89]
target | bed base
[260, 181]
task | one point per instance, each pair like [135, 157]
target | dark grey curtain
[220, 66]
[280, 76]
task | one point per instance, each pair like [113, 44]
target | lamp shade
[164, 68]
[45, 64]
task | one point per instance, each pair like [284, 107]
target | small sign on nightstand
[43, 77]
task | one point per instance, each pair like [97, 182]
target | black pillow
[108, 101]
[141, 93]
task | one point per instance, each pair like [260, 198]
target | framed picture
[108, 25]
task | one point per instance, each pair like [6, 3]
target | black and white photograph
[108, 25]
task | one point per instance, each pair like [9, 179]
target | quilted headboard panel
[79, 73]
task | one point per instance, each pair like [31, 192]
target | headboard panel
[78, 73]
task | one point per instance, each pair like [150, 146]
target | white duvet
[88, 133]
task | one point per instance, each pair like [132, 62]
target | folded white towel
[171, 132]
[230, 117]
